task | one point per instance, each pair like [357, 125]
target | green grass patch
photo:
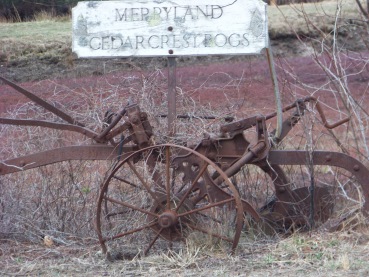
[36, 30]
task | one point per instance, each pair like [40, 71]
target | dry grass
[320, 254]
[321, 14]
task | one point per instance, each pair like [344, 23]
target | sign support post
[171, 97]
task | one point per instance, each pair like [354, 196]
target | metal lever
[42, 103]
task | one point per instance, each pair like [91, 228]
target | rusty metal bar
[277, 94]
[246, 158]
[91, 152]
[48, 124]
[246, 123]
[112, 124]
[188, 116]
[318, 107]
[42, 103]
[172, 83]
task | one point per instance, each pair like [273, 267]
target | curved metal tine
[43, 103]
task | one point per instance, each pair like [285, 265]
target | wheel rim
[147, 201]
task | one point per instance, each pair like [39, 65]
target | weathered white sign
[163, 28]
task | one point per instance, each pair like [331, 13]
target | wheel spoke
[154, 196]
[130, 206]
[220, 203]
[125, 181]
[130, 232]
[192, 186]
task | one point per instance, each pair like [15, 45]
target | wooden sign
[169, 28]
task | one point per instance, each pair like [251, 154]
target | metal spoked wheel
[153, 200]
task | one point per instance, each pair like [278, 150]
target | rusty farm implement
[167, 192]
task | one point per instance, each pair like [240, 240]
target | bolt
[164, 221]
[356, 167]
[328, 158]
[259, 118]
[170, 28]
[143, 116]
[22, 163]
[135, 120]
[170, 51]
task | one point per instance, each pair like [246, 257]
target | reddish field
[240, 86]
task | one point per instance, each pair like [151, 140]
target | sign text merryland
[151, 30]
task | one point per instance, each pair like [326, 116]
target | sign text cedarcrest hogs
[163, 28]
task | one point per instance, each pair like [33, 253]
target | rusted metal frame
[239, 125]
[255, 152]
[280, 181]
[322, 115]
[114, 122]
[115, 132]
[319, 109]
[88, 152]
[74, 126]
[337, 159]
[291, 121]
[138, 132]
[53, 125]
[42, 103]
[188, 116]
[247, 123]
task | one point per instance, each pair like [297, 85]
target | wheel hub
[168, 219]
[171, 226]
